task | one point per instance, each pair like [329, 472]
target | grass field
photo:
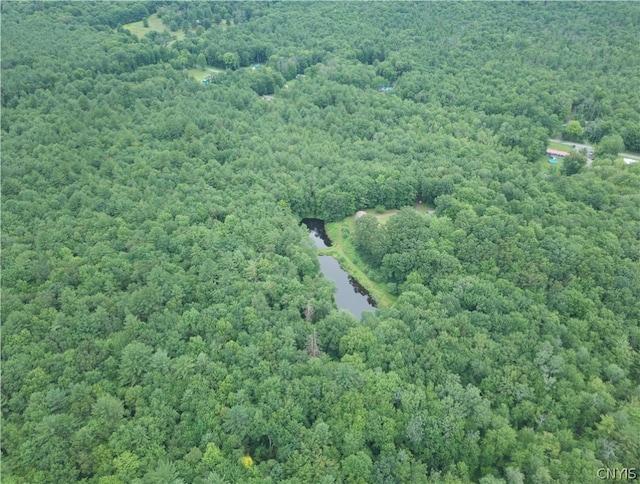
[155, 25]
[543, 162]
[200, 74]
[383, 217]
[558, 146]
[543, 166]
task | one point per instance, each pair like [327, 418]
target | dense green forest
[160, 299]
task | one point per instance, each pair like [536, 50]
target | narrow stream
[350, 294]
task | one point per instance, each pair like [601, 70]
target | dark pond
[350, 294]
[317, 233]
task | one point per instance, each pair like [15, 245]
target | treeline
[101, 16]
[191, 15]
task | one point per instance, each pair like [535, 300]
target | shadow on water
[350, 294]
[317, 233]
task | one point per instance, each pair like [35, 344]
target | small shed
[360, 214]
[552, 152]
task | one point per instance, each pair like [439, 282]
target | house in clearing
[552, 152]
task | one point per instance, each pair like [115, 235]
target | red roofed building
[552, 152]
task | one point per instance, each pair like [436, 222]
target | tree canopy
[164, 318]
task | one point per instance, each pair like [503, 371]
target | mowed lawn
[200, 74]
[558, 146]
[155, 25]
[424, 209]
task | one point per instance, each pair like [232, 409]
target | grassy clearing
[200, 74]
[139, 30]
[422, 208]
[559, 146]
[543, 162]
[155, 25]
[382, 217]
[543, 165]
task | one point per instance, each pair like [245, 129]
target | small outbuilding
[552, 152]
[360, 214]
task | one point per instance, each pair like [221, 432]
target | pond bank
[350, 293]
[345, 253]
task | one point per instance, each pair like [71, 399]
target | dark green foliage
[163, 315]
[369, 240]
[573, 163]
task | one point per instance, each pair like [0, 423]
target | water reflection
[316, 231]
[350, 294]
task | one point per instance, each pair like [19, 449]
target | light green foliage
[573, 131]
[231, 60]
[610, 145]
